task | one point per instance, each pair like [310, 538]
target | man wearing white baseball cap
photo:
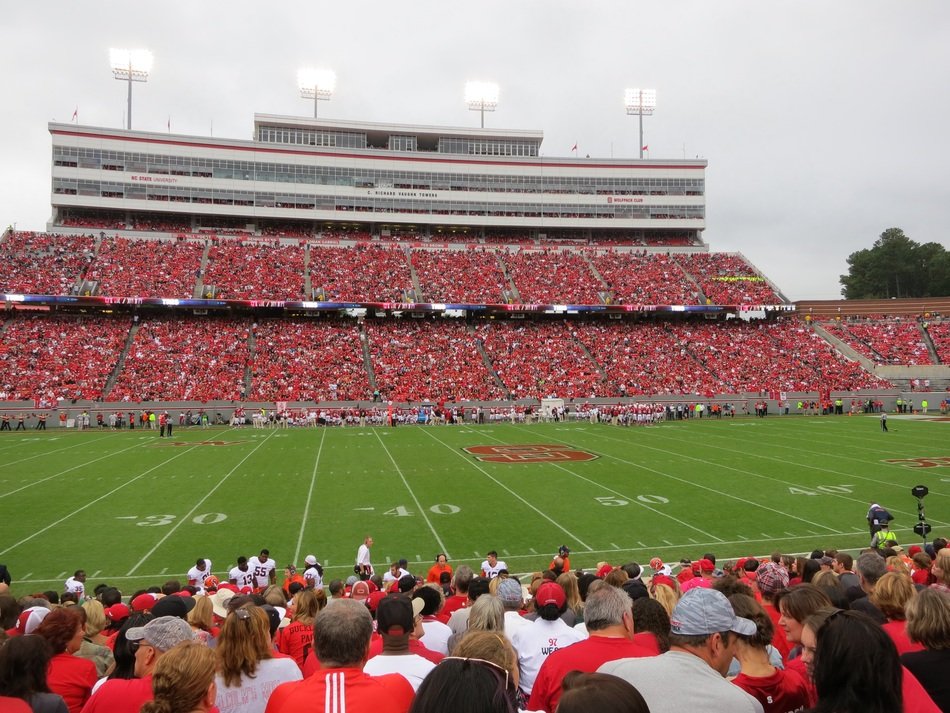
[690, 676]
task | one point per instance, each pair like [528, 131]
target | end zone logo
[529, 454]
[937, 462]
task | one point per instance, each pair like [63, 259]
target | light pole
[640, 102]
[130, 66]
[316, 84]
[481, 97]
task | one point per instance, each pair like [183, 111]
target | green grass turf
[133, 510]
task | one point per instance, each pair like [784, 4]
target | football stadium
[347, 343]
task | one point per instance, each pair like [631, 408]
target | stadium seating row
[39, 263]
[51, 358]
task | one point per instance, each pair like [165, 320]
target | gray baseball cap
[162, 633]
[704, 611]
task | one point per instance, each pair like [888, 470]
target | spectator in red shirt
[609, 619]
[341, 639]
[68, 675]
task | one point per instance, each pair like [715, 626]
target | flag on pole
[645, 148]
[574, 147]
[169, 123]
[76, 114]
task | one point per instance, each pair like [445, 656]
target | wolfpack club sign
[539, 453]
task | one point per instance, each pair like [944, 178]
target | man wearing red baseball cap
[608, 614]
[547, 634]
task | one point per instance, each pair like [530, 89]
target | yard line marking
[198, 504]
[699, 485]
[101, 497]
[633, 500]
[885, 483]
[313, 482]
[505, 487]
[695, 484]
[63, 472]
[58, 450]
[412, 494]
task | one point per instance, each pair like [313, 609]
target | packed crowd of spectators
[43, 263]
[883, 341]
[425, 360]
[940, 336]
[182, 359]
[368, 273]
[762, 634]
[307, 360]
[782, 356]
[553, 277]
[255, 271]
[539, 359]
[54, 358]
[645, 279]
[725, 278]
[470, 276]
[146, 268]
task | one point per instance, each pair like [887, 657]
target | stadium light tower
[316, 84]
[130, 66]
[481, 97]
[640, 102]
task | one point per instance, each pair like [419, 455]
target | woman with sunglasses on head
[466, 685]
[585, 692]
[247, 668]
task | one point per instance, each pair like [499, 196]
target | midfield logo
[937, 462]
[541, 453]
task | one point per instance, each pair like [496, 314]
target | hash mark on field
[533, 551]
[505, 552]
[741, 537]
[766, 535]
[164, 570]
[812, 532]
[641, 544]
[26, 576]
[96, 573]
[790, 534]
[693, 540]
[668, 542]
[615, 545]
[61, 574]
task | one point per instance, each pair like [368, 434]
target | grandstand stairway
[487, 361]
[511, 294]
[928, 342]
[700, 295]
[120, 362]
[199, 283]
[600, 369]
[842, 347]
[307, 289]
[416, 285]
[251, 356]
[367, 359]
[606, 294]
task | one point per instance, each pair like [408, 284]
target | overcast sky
[824, 122]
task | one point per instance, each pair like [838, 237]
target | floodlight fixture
[130, 66]
[640, 102]
[316, 84]
[481, 97]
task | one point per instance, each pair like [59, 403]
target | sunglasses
[500, 673]
[135, 645]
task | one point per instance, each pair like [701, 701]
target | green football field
[132, 509]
